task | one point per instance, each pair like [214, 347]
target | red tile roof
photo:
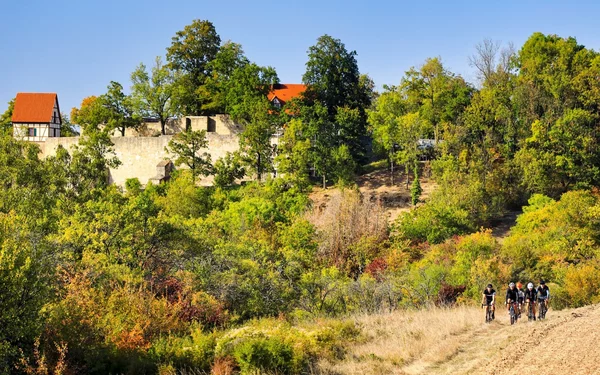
[33, 107]
[285, 92]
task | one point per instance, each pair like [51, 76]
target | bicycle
[489, 312]
[543, 309]
[530, 314]
[513, 313]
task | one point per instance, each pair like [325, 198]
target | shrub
[264, 354]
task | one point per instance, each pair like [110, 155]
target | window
[188, 124]
[211, 127]
[276, 103]
[32, 132]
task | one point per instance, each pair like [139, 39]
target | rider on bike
[521, 296]
[543, 294]
[531, 297]
[489, 298]
[512, 296]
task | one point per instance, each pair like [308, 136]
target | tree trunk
[407, 176]
[162, 126]
[122, 131]
[392, 169]
[258, 169]
[324, 181]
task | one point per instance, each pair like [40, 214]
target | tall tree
[191, 51]
[153, 95]
[247, 103]
[119, 109]
[229, 59]
[334, 103]
[436, 93]
[385, 127]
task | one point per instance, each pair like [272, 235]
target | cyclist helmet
[530, 286]
[542, 282]
[489, 286]
[519, 285]
[512, 285]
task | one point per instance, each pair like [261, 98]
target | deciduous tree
[153, 95]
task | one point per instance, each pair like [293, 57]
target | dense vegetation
[174, 278]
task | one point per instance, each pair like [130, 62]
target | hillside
[456, 341]
[394, 198]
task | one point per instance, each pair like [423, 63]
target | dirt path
[567, 342]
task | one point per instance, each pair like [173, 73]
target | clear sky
[75, 48]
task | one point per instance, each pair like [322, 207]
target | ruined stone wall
[219, 124]
[140, 155]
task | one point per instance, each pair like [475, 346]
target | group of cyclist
[517, 297]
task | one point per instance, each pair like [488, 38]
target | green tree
[227, 61]
[411, 130]
[119, 112]
[248, 105]
[385, 124]
[416, 190]
[67, 129]
[228, 169]
[153, 95]
[6, 118]
[25, 276]
[191, 51]
[186, 147]
[334, 84]
[437, 94]
[293, 154]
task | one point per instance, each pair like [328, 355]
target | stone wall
[218, 124]
[140, 155]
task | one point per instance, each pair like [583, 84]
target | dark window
[212, 125]
[188, 124]
[32, 132]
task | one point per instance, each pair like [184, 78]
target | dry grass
[349, 218]
[394, 341]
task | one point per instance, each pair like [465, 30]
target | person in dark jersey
[531, 297]
[489, 298]
[512, 296]
[543, 294]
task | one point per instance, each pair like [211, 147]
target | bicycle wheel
[512, 315]
[542, 311]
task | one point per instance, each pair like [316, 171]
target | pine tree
[416, 189]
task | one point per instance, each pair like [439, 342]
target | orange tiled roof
[286, 91]
[33, 107]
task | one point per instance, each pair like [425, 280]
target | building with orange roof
[36, 116]
[284, 92]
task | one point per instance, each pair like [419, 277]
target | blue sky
[75, 48]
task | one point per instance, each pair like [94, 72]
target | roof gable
[286, 92]
[34, 107]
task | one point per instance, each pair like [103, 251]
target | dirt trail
[567, 342]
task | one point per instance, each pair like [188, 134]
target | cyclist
[543, 294]
[512, 296]
[531, 297]
[520, 297]
[489, 298]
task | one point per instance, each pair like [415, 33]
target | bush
[455, 208]
[264, 355]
